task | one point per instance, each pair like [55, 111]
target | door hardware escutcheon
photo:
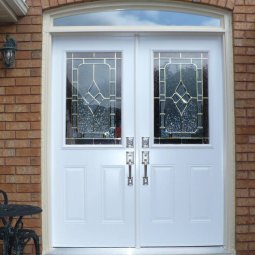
[145, 162]
[130, 142]
[145, 142]
[130, 162]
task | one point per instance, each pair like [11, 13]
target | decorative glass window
[181, 98]
[137, 18]
[93, 98]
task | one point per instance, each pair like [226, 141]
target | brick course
[20, 113]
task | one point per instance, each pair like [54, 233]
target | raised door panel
[113, 193]
[162, 194]
[75, 187]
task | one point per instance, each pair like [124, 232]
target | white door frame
[229, 138]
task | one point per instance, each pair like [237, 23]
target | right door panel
[182, 114]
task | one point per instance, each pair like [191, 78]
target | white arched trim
[113, 5]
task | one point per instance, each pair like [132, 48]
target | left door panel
[92, 113]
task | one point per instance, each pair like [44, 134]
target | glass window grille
[181, 98]
[93, 98]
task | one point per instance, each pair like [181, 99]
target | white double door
[182, 203]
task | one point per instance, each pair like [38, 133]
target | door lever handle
[145, 162]
[130, 162]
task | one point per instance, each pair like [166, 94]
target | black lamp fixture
[9, 52]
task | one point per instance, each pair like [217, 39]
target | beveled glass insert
[135, 17]
[93, 98]
[181, 98]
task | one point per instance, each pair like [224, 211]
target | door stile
[137, 143]
[143, 95]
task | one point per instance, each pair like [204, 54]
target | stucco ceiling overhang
[10, 10]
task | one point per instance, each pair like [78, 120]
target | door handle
[130, 162]
[145, 162]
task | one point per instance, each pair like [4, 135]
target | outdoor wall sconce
[9, 52]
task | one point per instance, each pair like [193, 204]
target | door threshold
[219, 250]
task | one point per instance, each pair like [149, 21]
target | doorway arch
[224, 30]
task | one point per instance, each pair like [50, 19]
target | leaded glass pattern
[181, 98]
[93, 98]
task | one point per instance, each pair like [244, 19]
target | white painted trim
[46, 137]
[229, 150]
[122, 4]
[109, 5]
[229, 116]
[18, 6]
[9, 15]
[95, 29]
[11, 9]
[141, 251]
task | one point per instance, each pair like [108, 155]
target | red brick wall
[20, 113]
